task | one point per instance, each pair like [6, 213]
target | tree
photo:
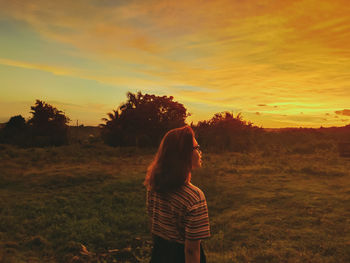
[16, 124]
[224, 131]
[142, 120]
[48, 125]
[14, 131]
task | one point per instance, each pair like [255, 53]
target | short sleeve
[197, 221]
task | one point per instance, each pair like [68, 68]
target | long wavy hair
[171, 166]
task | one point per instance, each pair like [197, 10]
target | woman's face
[196, 155]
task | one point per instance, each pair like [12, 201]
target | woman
[177, 209]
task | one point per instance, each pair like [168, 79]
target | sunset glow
[279, 63]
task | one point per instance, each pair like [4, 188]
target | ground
[264, 206]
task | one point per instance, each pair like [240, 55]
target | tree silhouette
[224, 131]
[14, 131]
[48, 125]
[142, 120]
[16, 124]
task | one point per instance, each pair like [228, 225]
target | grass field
[264, 206]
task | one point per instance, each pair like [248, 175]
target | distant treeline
[48, 126]
[143, 120]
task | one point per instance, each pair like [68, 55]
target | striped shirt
[179, 215]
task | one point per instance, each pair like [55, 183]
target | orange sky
[280, 63]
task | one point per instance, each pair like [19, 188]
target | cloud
[79, 73]
[344, 112]
[48, 68]
[230, 54]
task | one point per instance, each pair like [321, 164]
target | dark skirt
[165, 251]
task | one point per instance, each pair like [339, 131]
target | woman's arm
[192, 251]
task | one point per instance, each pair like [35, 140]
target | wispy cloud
[48, 68]
[78, 73]
[291, 55]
